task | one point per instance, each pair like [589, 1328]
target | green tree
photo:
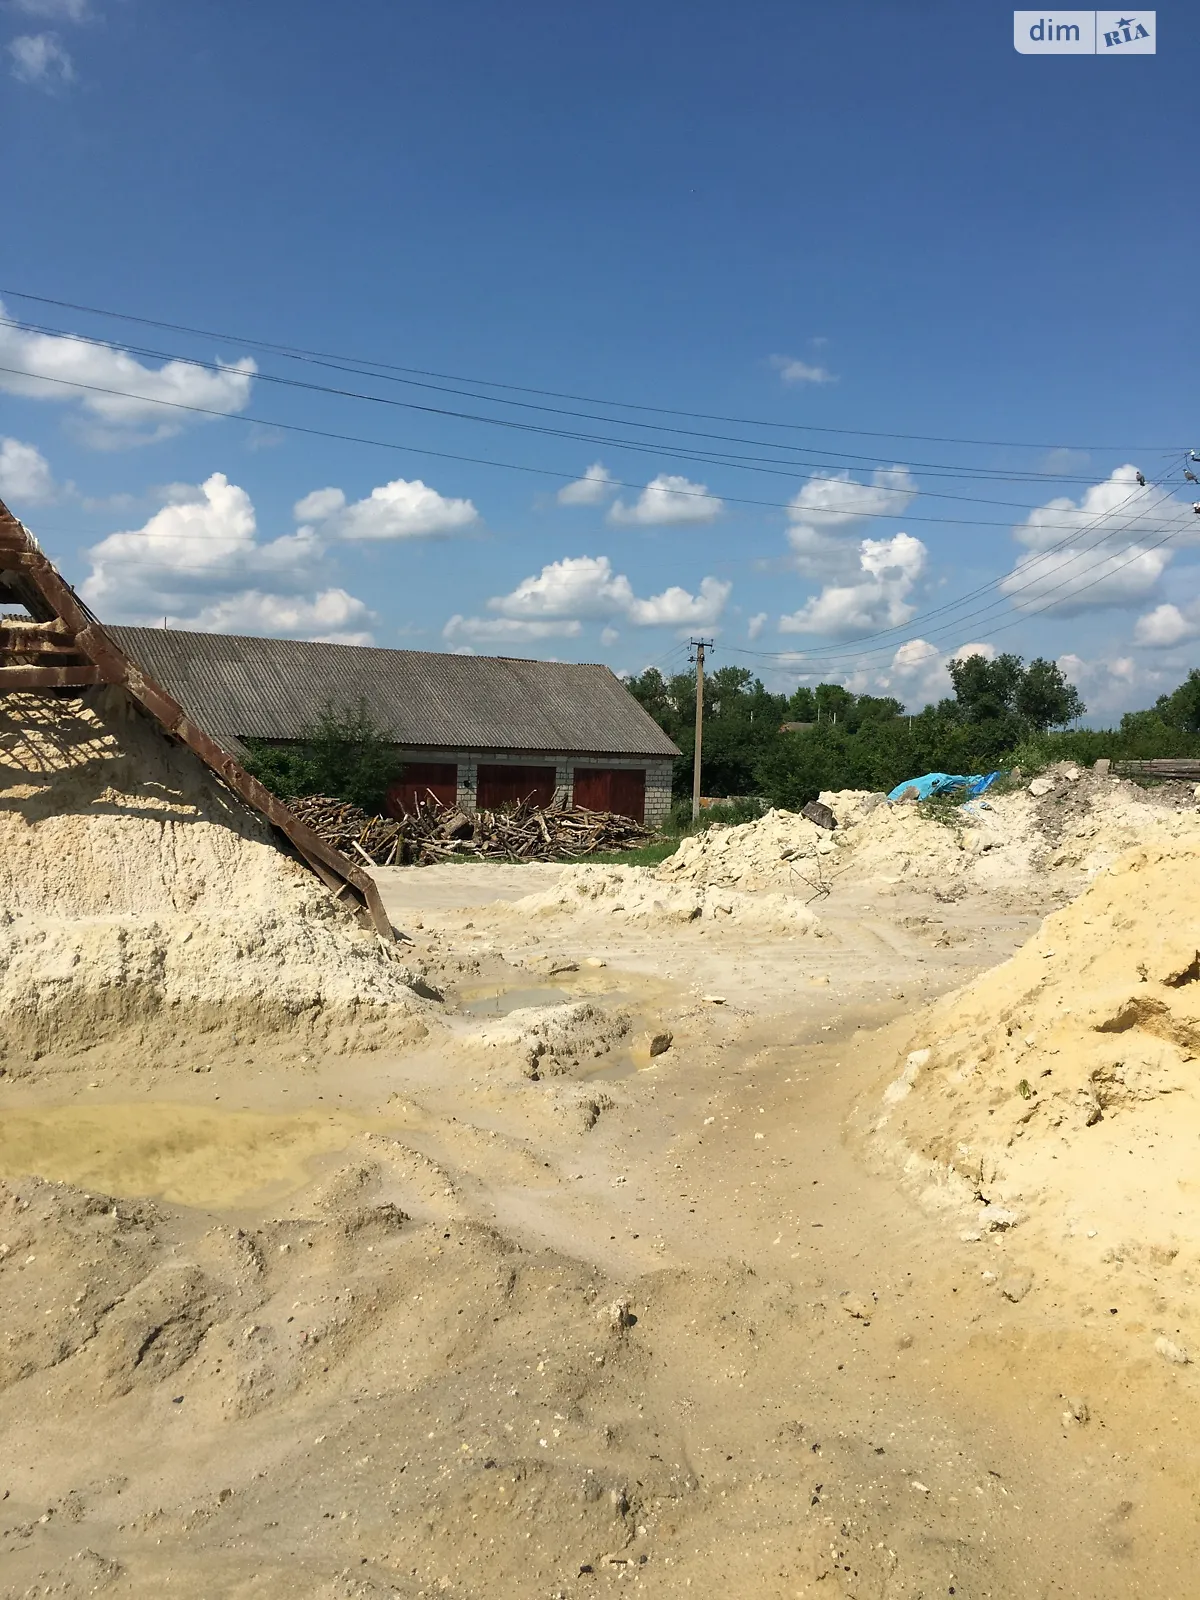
[872, 708]
[1005, 690]
[802, 707]
[1182, 708]
[728, 684]
[344, 754]
[986, 691]
[834, 701]
[1044, 699]
[651, 691]
[740, 720]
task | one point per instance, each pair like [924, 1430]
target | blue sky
[840, 225]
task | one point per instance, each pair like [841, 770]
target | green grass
[648, 855]
[945, 807]
[680, 822]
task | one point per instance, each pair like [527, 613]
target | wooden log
[1165, 767]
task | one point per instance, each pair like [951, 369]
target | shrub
[343, 754]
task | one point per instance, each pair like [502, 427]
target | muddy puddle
[497, 1001]
[561, 986]
[618, 1064]
[187, 1155]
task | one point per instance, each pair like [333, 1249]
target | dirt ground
[521, 1309]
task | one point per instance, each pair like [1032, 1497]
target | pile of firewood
[350, 829]
[434, 832]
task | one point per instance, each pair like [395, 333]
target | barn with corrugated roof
[482, 731]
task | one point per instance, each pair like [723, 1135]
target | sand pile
[1062, 1088]
[640, 895]
[347, 1398]
[140, 898]
[1061, 834]
[556, 1041]
[779, 852]
[124, 1297]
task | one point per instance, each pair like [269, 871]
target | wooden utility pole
[699, 646]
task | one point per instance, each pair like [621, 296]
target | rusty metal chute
[63, 646]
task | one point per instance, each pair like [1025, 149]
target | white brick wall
[658, 792]
[468, 776]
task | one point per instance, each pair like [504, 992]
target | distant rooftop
[239, 688]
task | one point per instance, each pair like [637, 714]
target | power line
[1071, 537]
[940, 469]
[757, 464]
[827, 653]
[856, 657]
[920, 619]
[660, 662]
[481, 461]
[301, 353]
[797, 656]
[1106, 534]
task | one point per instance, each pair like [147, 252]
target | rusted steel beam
[29, 574]
[18, 586]
[49, 677]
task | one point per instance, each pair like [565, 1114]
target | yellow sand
[1060, 1092]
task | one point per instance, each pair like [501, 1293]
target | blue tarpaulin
[939, 782]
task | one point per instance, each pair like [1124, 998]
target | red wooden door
[419, 780]
[619, 789]
[508, 786]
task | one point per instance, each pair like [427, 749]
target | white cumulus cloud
[1072, 580]
[916, 674]
[878, 597]
[668, 500]
[593, 489]
[1113, 546]
[330, 617]
[507, 630]
[1111, 685]
[558, 600]
[577, 586]
[198, 561]
[677, 608]
[1167, 625]
[792, 370]
[54, 10]
[39, 59]
[1118, 506]
[756, 624]
[134, 407]
[396, 510]
[825, 515]
[919, 672]
[834, 500]
[25, 475]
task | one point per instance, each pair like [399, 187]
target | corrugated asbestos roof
[240, 688]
